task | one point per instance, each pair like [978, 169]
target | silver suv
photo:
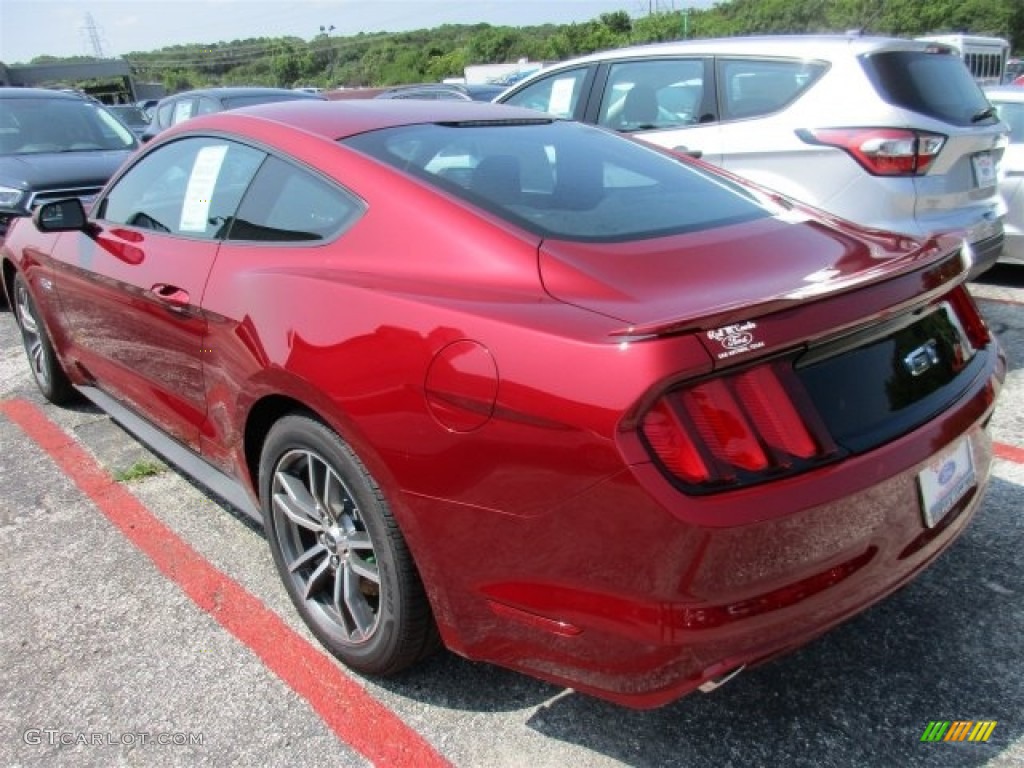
[890, 133]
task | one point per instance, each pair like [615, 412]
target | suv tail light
[882, 151]
[737, 430]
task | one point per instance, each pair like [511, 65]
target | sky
[30, 28]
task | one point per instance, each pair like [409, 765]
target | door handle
[171, 294]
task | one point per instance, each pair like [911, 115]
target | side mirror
[61, 216]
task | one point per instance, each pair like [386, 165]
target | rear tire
[339, 551]
[50, 377]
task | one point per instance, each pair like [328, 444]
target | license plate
[946, 479]
[984, 169]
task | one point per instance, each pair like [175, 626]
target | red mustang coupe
[560, 401]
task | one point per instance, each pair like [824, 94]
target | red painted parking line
[354, 715]
[1008, 452]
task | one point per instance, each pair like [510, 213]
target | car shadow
[1005, 275]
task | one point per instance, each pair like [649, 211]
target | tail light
[882, 151]
[737, 430]
[973, 323]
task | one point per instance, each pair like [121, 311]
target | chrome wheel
[50, 377]
[339, 550]
[326, 549]
[31, 335]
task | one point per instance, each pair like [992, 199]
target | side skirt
[186, 460]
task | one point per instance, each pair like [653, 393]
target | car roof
[37, 93]
[787, 46]
[348, 117]
[242, 90]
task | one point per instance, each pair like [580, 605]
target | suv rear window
[934, 83]
[563, 180]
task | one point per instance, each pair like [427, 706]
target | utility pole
[94, 36]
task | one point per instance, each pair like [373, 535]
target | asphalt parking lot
[143, 623]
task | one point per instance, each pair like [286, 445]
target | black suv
[55, 145]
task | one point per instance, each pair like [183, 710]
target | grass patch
[139, 470]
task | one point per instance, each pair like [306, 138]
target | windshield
[563, 180]
[33, 126]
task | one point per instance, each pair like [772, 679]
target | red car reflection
[561, 401]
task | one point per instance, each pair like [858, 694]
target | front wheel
[339, 550]
[46, 369]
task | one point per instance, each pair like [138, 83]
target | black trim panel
[186, 460]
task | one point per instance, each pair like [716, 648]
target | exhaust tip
[717, 682]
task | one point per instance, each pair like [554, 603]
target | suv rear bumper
[986, 253]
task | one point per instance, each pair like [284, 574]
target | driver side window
[189, 188]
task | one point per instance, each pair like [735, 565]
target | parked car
[452, 91]
[567, 402]
[187, 104]
[891, 133]
[134, 118]
[147, 106]
[55, 145]
[1009, 103]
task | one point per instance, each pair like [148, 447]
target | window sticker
[195, 213]
[182, 111]
[561, 96]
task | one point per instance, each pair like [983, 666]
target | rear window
[932, 83]
[564, 180]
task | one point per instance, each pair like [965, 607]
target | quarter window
[756, 87]
[287, 203]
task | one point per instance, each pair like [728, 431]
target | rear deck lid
[723, 277]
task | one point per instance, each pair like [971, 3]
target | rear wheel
[46, 369]
[339, 550]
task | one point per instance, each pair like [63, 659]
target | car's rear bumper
[986, 253]
[639, 594]
[1013, 247]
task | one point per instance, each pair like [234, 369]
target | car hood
[56, 170]
[727, 274]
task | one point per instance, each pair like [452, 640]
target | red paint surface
[355, 717]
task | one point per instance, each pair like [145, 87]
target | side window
[558, 94]
[756, 87]
[286, 203]
[164, 115]
[183, 110]
[653, 94]
[207, 105]
[190, 188]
